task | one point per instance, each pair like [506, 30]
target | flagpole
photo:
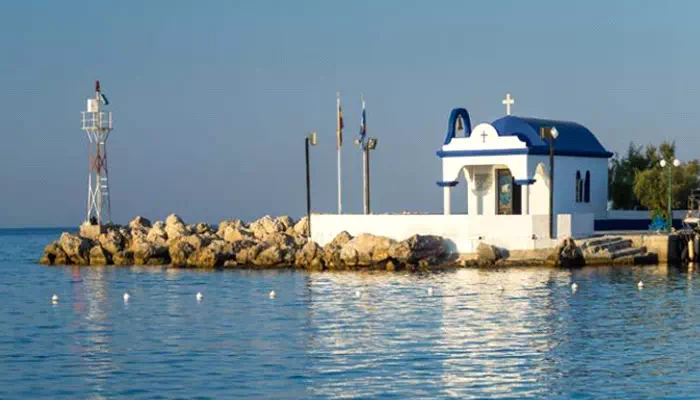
[339, 142]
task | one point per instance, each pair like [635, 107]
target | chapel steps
[613, 248]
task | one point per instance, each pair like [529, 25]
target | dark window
[578, 186]
[587, 188]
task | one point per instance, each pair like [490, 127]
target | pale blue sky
[211, 99]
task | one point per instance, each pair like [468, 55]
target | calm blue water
[535, 339]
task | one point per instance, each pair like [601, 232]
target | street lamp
[550, 134]
[669, 216]
[310, 139]
[367, 144]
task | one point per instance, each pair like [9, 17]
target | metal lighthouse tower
[97, 124]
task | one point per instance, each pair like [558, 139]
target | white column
[446, 200]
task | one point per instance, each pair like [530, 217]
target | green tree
[651, 184]
[622, 174]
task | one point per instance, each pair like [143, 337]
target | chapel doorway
[508, 194]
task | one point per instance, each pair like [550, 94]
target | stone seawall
[264, 243]
[282, 243]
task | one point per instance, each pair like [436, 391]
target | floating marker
[54, 299]
[272, 294]
[574, 287]
[126, 297]
[640, 285]
[430, 291]
[501, 288]
[358, 293]
[199, 296]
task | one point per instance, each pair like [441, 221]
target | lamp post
[367, 144]
[669, 216]
[550, 134]
[310, 139]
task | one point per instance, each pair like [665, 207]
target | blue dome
[574, 139]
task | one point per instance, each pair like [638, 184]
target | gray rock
[180, 251]
[125, 257]
[98, 256]
[229, 223]
[309, 255]
[213, 255]
[232, 234]
[419, 247]
[265, 226]
[50, 251]
[77, 249]
[157, 235]
[366, 249]
[487, 254]
[567, 254]
[140, 222]
[269, 257]
[113, 241]
[301, 228]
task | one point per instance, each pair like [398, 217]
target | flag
[363, 122]
[104, 99]
[339, 127]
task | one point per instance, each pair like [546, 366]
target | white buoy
[640, 285]
[272, 294]
[430, 291]
[358, 293]
[54, 299]
[574, 287]
[199, 296]
[501, 288]
[126, 297]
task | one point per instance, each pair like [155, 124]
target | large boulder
[265, 226]
[125, 257]
[301, 228]
[213, 255]
[233, 234]
[487, 254]
[419, 247]
[246, 251]
[180, 251]
[331, 251]
[140, 222]
[269, 257]
[366, 249]
[175, 227]
[146, 253]
[98, 256]
[285, 222]
[202, 229]
[229, 223]
[310, 256]
[157, 234]
[77, 249]
[113, 241]
[567, 254]
[50, 251]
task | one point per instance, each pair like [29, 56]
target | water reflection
[92, 335]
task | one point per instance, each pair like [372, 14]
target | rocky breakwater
[265, 243]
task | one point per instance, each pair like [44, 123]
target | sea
[469, 333]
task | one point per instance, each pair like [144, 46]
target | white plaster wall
[565, 185]
[462, 232]
[575, 225]
[517, 163]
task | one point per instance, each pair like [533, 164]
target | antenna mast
[97, 124]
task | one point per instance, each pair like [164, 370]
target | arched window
[578, 186]
[587, 188]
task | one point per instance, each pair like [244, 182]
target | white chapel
[506, 166]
